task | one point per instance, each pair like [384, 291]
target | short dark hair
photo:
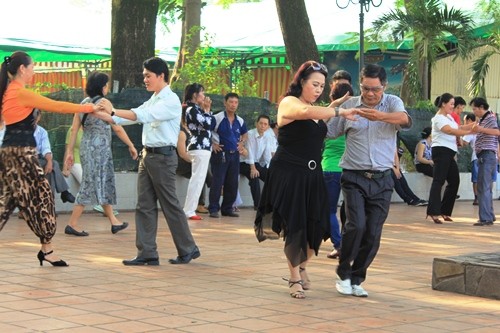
[470, 116]
[373, 71]
[478, 102]
[341, 75]
[264, 116]
[96, 81]
[230, 95]
[157, 66]
[342, 89]
[459, 101]
[443, 99]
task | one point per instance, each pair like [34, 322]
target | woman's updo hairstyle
[443, 99]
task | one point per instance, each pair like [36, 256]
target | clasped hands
[351, 114]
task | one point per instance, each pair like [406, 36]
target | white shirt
[161, 116]
[440, 138]
[471, 139]
[260, 148]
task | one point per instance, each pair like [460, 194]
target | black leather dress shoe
[185, 259]
[70, 231]
[141, 262]
[67, 197]
[116, 228]
[230, 214]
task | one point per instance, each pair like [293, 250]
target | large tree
[299, 40]
[133, 32]
[431, 24]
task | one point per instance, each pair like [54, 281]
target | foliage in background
[206, 67]
[424, 105]
[480, 66]
[41, 87]
[430, 23]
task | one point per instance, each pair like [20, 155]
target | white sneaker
[343, 286]
[358, 291]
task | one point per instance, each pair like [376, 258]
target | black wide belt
[165, 150]
[372, 174]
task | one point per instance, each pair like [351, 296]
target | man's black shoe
[185, 259]
[67, 197]
[231, 214]
[482, 223]
[214, 215]
[141, 262]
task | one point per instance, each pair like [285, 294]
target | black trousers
[445, 169]
[367, 204]
[254, 183]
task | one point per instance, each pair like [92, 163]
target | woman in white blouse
[444, 148]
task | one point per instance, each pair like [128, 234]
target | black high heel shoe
[41, 257]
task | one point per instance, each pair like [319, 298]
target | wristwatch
[337, 111]
[113, 112]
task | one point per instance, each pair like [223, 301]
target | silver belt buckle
[368, 175]
[311, 164]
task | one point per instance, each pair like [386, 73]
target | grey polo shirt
[370, 145]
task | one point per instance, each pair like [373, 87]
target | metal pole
[361, 37]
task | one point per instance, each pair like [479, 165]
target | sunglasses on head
[316, 66]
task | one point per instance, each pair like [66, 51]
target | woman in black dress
[294, 202]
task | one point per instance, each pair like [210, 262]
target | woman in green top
[332, 153]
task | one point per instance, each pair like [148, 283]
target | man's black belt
[165, 150]
[372, 174]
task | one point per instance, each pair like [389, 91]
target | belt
[372, 174]
[165, 150]
[486, 151]
[230, 151]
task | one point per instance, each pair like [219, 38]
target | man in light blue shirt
[366, 180]
[50, 166]
[161, 118]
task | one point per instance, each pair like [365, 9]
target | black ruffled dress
[294, 202]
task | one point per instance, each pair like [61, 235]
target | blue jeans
[487, 168]
[332, 181]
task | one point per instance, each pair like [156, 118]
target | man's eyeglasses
[316, 66]
[372, 89]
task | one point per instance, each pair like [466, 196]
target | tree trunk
[133, 31]
[190, 38]
[297, 33]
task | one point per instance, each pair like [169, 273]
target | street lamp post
[364, 6]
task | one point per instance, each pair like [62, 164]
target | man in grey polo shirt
[366, 180]
[161, 117]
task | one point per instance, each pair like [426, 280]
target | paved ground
[236, 285]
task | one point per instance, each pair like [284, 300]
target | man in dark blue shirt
[229, 135]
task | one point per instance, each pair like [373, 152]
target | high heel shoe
[435, 219]
[447, 218]
[41, 257]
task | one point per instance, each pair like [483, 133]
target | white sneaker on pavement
[343, 286]
[359, 291]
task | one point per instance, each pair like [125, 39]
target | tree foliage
[217, 75]
[431, 24]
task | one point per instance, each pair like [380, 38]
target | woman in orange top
[22, 179]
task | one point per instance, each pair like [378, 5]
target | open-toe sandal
[306, 284]
[296, 288]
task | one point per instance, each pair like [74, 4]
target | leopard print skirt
[23, 185]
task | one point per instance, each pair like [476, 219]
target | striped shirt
[487, 141]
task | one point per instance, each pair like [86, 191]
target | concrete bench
[476, 274]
